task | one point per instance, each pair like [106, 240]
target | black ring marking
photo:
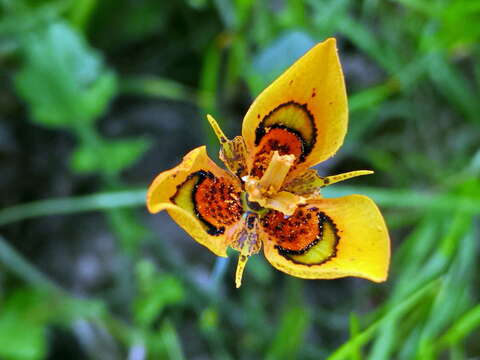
[202, 175]
[307, 147]
[322, 218]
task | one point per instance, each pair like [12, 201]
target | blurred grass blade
[227, 13]
[354, 331]
[461, 328]
[158, 87]
[373, 96]
[425, 7]
[422, 243]
[156, 291]
[452, 298]
[344, 351]
[81, 12]
[171, 341]
[455, 87]
[208, 86]
[101, 201]
[366, 41]
[289, 337]
[15, 263]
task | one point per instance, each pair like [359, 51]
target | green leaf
[20, 339]
[22, 326]
[155, 292]
[109, 157]
[63, 80]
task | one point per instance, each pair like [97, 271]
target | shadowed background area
[97, 97]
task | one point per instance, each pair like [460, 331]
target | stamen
[216, 128]
[309, 183]
[272, 179]
[266, 191]
[232, 152]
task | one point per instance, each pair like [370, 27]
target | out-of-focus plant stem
[461, 328]
[13, 261]
[70, 205]
[154, 86]
[81, 11]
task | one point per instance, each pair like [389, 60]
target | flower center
[273, 178]
[266, 191]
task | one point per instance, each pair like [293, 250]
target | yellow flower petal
[201, 197]
[306, 108]
[332, 238]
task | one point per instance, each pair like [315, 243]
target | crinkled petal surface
[201, 197]
[328, 239]
[303, 112]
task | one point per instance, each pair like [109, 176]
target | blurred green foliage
[155, 292]
[22, 334]
[62, 79]
[413, 74]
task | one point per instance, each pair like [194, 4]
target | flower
[268, 195]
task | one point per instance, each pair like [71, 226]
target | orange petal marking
[201, 197]
[353, 233]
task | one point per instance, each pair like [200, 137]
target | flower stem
[69, 205]
[13, 261]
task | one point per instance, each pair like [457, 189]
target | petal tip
[331, 41]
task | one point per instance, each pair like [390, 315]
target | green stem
[102, 201]
[158, 87]
[13, 261]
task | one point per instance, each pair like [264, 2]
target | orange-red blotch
[294, 234]
[215, 201]
[278, 139]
